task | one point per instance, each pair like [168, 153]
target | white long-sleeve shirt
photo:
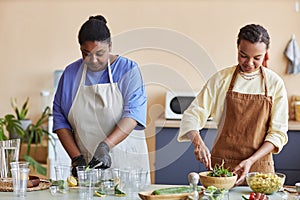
[210, 103]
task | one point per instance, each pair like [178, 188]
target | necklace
[249, 76]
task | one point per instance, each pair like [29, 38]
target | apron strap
[109, 71]
[83, 77]
[111, 81]
[233, 78]
[264, 80]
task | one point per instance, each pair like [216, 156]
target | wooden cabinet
[38, 152]
[175, 160]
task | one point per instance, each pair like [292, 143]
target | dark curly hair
[94, 29]
[254, 33]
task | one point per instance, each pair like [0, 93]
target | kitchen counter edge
[174, 123]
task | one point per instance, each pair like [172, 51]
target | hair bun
[98, 17]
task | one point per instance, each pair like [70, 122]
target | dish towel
[293, 54]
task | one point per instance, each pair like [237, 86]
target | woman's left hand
[101, 157]
[241, 170]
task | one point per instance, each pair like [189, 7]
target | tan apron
[95, 112]
[243, 128]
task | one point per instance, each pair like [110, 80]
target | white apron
[95, 112]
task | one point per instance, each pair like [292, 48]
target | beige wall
[38, 37]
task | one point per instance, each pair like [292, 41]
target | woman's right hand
[201, 151]
[202, 154]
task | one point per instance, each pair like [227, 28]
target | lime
[120, 195]
[98, 194]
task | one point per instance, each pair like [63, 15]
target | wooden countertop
[174, 123]
[169, 123]
[294, 125]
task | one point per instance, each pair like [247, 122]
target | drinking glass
[15, 170]
[20, 179]
[62, 173]
[109, 179]
[86, 181]
[142, 179]
[9, 152]
[133, 180]
[19, 164]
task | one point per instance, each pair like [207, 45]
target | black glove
[101, 156]
[77, 161]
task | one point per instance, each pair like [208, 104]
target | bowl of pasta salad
[266, 183]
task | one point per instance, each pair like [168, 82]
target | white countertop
[234, 194]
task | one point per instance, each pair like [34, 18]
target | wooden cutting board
[148, 196]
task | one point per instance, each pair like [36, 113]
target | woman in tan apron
[100, 134]
[249, 104]
[252, 112]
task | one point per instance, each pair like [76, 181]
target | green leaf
[13, 125]
[2, 135]
[20, 113]
[35, 165]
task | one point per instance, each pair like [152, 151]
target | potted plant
[21, 115]
[35, 134]
[31, 136]
[11, 125]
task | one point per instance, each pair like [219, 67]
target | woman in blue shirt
[99, 108]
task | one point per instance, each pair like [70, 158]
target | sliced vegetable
[171, 190]
[119, 192]
[100, 192]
